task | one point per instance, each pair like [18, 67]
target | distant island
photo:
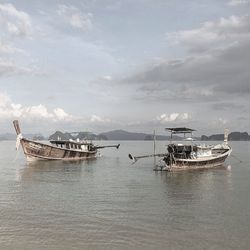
[115, 135]
[122, 135]
[76, 135]
[12, 137]
[234, 136]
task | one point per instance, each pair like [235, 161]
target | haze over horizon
[132, 65]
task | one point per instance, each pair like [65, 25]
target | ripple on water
[109, 204]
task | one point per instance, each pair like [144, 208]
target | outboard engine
[166, 159]
[169, 159]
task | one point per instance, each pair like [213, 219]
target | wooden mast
[154, 151]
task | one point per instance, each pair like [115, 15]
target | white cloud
[107, 78]
[237, 2]
[174, 117]
[15, 22]
[222, 123]
[46, 118]
[216, 66]
[218, 34]
[98, 119]
[4, 100]
[61, 114]
[10, 110]
[7, 48]
[8, 67]
[76, 19]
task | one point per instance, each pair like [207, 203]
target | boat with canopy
[189, 155]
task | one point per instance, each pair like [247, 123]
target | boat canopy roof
[64, 142]
[182, 130]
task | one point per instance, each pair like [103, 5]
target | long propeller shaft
[136, 158]
[108, 146]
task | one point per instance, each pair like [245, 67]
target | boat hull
[202, 163]
[35, 151]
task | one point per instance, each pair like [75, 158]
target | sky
[122, 64]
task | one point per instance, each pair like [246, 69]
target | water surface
[108, 203]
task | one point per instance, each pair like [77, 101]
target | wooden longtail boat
[57, 149]
[181, 156]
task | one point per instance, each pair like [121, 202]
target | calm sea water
[108, 203]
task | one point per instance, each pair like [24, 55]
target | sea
[109, 203]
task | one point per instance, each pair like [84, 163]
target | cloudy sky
[99, 65]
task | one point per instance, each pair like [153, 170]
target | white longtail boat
[57, 149]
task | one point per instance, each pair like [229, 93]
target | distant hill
[217, 137]
[12, 137]
[122, 135]
[76, 135]
[238, 136]
[234, 136]
[39, 138]
[115, 135]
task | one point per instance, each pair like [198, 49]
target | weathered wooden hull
[41, 151]
[203, 163]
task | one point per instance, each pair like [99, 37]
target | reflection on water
[49, 169]
[188, 186]
[106, 203]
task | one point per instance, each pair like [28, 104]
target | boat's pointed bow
[18, 132]
[16, 126]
